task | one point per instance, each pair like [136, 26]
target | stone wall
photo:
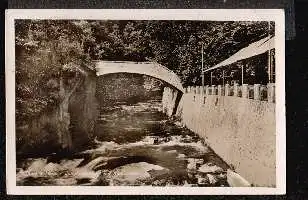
[240, 130]
[126, 87]
[43, 133]
[65, 127]
[83, 111]
[169, 100]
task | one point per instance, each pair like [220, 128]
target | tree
[43, 48]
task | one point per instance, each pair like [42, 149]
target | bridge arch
[144, 68]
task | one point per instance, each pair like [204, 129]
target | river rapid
[135, 144]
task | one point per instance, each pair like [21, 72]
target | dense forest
[48, 49]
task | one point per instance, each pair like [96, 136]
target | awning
[251, 50]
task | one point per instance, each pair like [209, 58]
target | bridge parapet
[256, 92]
[152, 69]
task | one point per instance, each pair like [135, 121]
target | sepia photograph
[145, 101]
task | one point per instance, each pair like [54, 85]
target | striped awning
[251, 50]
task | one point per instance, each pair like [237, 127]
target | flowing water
[135, 145]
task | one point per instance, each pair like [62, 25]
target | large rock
[209, 168]
[193, 163]
[235, 180]
[133, 173]
[212, 179]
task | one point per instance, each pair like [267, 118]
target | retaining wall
[240, 130]
[125, 87]
[83, 111]
[65, 127]
[169, 100]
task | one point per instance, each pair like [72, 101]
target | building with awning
[257, 48]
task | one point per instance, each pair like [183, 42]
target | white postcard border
[276, 15]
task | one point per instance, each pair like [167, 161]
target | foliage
[43, 47]
[175, 44]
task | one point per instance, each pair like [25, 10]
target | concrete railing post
[271, 92]
[202, 90]
[219, 88]
[198, 90]
[207, 90]
[194, 89]
[227, 90]
[245, 91]
[256, 92]
[213, 90]
[235, 90]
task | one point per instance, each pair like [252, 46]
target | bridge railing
[256, 92]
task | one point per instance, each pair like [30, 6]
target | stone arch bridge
[172, 93]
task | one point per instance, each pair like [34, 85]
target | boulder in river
[210, 168]
[133, 173]
[37, 165]
[193, 163]
[202, 180]
[212, 179]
